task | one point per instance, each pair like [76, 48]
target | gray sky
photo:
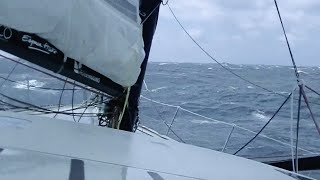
[239, 31]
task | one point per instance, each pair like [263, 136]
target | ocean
[205, 103]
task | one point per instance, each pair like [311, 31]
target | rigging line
[309, 108]
[220, 64]
[312, 90]
[44, 112]
[60, 98]
[66, 110]
[56, 77]
[92, 101]
[173, 119]
[291, 131]
[72, 101]
[47, 111]
[273, 157]
[81, 106]
[125, 106]
[151, 13]
[10, 73]
[5, 80]
[32, 86]
[287, 41]
[297, 129]
[300, 176]
[181, 140]
[211, 57]
[159, 114]
[226, 123]
[278, 110]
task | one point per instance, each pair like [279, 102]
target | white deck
[41, 148]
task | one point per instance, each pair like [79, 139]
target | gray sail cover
[104, 35]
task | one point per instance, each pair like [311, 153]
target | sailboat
[101, 46]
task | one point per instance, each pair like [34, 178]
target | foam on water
[29, 84]
[260, 115]
[201, 122]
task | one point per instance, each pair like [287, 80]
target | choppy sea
[202, 102]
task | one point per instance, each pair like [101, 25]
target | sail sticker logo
[5, 33]
[35, 45]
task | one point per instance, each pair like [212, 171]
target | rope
[60, 98]
[31, 108]
[278, 110]
[162, 119]
[226, 123]
[312, 90]
[215, 60]
[228, 139]
[154, 9]
[309, 108]
[299, 176]
[291, 130]
[84, 111]
[6, 79]
[174, 118]
[297, 129]
[10, 73]
[72, 101]
[124, 108]
[287, 41]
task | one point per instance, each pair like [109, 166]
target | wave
[303, 72]
[260, 115]
[157, 89]
[167, 63]
[203, 122]
[161, 64]
[233, 88]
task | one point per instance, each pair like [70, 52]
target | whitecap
[250, 87]
[210, 68]
[161, 64]
[157, 89]
[234, 88]
[283, 92]
[302, 72]
[235, 68]
[203, 122]
[260, 115]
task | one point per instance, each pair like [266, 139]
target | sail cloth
[104, 35]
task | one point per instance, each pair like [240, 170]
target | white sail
[104, 35]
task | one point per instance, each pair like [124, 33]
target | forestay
[104, 35]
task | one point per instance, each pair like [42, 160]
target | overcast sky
[239, 31]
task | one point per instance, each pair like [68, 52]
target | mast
[149, 12]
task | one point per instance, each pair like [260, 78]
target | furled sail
[103, 35]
